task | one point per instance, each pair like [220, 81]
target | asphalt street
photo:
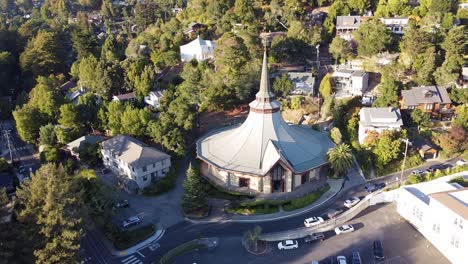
[186, 231]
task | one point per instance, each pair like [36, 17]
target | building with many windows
[133, 159]
[348, 83]
[264, 154]
[439, 211]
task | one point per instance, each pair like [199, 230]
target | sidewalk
[150, 240]
[335, 187]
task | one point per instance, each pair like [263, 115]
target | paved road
[401, 242]
[186, 231]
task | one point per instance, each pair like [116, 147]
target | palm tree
[340, 158]
[251, 236]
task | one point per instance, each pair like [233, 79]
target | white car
[417, 172]
[134, 220]
[341, 260]
[313, 221]
[288, 244]
[344, 229]
[461, 162]
[351, 202]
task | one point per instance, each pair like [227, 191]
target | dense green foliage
[195, 195]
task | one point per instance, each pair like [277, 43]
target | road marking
[131, 260]
[140, 254]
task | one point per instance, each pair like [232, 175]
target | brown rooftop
[454, 202]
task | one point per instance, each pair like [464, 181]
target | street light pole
[404, 160]
[7, 136]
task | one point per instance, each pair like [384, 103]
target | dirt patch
[212, 120]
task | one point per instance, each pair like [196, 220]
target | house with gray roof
[74, 96]
[74, 146]
[303, 82]
[264, 154]
[346, 25]
[433, 100]
[131, 158]
[395, 24]
[378, 119]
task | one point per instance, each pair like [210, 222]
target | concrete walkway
[143, 244]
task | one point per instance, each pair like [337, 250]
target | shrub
[306, 200]
[460, 180]
[165, 184]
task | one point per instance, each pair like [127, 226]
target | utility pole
[7, 136]
[404, 159]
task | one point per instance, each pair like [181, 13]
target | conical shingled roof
[263, 139]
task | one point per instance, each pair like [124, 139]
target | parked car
[314, 237]
[105, 171]
[313, 221]
[333, 213]
[380, 185]
[460, 162]
[122, 204]
[341, 260]
[288, 244]
[328, 260]
[378, 250]
[134, 220]
[356, 258]
[436, 167]
[351, 202]
[344, 229]
[370, 187]
[417, 172]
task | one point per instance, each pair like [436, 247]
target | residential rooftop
[425, 94]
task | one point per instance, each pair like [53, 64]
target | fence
[369, 200]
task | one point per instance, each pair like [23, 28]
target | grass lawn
[126, 239]
[180, 250]
[306, 200]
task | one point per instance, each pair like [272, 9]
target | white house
[303, 82]
[378, 119]
[348, 83]
[153, 98]
[135, 160]
[439, 211]
[198, 49]
[346, 25]
[395, 24]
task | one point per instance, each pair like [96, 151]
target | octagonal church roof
[258, 144]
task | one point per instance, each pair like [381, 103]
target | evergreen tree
[28, 121]
[282, 85]
[195, 196]
[47, 135]
[325, 88]
[420, 118]
[372, 37]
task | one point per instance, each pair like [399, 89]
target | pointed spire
[265, 91]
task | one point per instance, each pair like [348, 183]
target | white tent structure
[198, 49]
[264, 154]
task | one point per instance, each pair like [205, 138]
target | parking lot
[401, 243]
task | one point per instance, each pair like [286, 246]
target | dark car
[433, 168]
[314, 237]
[356, 258]
[378, 250]
[329, 260]
[380, 185]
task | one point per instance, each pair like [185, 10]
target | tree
[145, 82]
[359, 5]
[425, 65]
[90, 153]
[87, 72]
[111, 50]
[283, 85]
[340, 49]
[50, 155]
[135, 121]
[459, 96]
[69, 116]
[45, 97]
[420, 118]
[251, 237]
[462, 116]
[43, 55]
[335, 135]
[387, 148]
[28, 121]
[388, 89]
[371, 139]
[7, 72]
[340, 158]
[455, 47]
[51, 204]
[296, 102]
[4, 164]
[325, 88]
[372, 37]
[195, 196]
[454, 141]
[415, 41]
[47, 135]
